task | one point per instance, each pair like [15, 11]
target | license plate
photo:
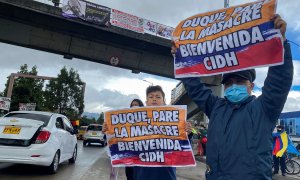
[11, 130]
[94, 134]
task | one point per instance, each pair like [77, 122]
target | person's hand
[188, 127]
[173, 48]
[104, 127]
[280, 24]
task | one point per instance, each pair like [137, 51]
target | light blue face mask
[236, 93]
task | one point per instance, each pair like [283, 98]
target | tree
[100, 120]
[65, 94]
[84, 121]
[26, 90]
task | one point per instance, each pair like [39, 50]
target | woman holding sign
[129, 170]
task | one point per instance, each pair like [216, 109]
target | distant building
[291, 122]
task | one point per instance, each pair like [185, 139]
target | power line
[294, 43]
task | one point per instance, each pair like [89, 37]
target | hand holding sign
[280, 24]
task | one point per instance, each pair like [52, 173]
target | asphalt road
[93, 164]
[87, 157]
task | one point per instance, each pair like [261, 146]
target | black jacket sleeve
[200, 94]
[277, 85]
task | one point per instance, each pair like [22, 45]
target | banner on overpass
[228, 40]
[150, 27]
[149, 136]
[5, 103]
[87, 11]
[164, 31]
[126, 21]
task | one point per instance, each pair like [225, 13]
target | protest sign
[228, 40]
[149, 136]
[87, 11]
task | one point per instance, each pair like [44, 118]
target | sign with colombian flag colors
[228, 40]
[149, 136]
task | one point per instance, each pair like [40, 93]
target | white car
[93, 134]
[38, 138]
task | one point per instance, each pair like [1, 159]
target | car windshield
[94, 128]
[39, 117]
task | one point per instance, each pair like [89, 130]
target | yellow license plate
[94, 134]
[11, 130]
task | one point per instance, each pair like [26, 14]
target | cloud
[110, 87]
[293, 102]
[107, 99]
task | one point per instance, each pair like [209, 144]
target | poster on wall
[5, 103]
[27, 106]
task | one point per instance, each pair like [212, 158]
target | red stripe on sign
[170, 159]
[258, 55]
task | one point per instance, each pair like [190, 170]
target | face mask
[236, 93]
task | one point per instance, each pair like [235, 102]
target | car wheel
[84, 143]
[52, 169]
[74, 157]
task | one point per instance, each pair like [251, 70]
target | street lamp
[148, 82]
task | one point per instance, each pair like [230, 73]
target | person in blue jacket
[240, 128]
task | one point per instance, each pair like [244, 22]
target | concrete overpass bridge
[35, 25]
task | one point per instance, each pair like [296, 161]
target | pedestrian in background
[279, 150]
[129, 170]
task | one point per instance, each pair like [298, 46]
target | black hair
[151, 89]
[141, 104]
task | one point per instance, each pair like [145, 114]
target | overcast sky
[110, 87]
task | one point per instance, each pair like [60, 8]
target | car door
[62, 137]
[70, 137]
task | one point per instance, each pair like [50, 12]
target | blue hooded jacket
[239, 137]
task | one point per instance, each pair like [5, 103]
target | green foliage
[100, 120]
[84, 121]
[65, 94]
[26, 90]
